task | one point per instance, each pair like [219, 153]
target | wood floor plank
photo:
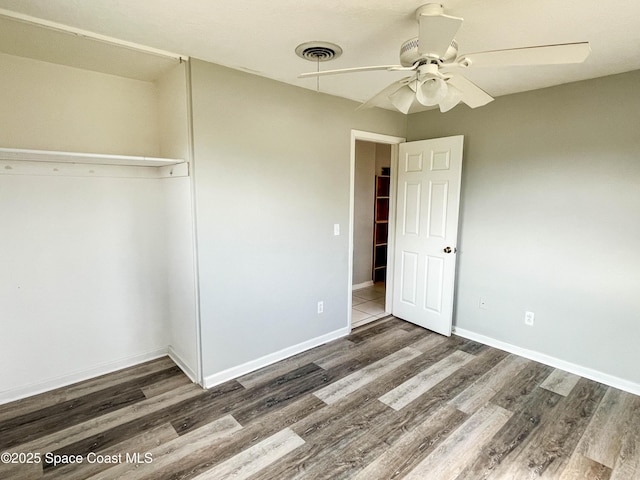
[627, 464]
[406, 371]
[221, 449]
[486, 387]
[430, 341]
[560, 382]
[246, 404]
[80, 389]
[548, 451]
[21, 430]
[20, 471]
[376, 323]
[444, 391]
[370, 351]
[318, 459]
[142, 419]
[461, 447]
[58, 439]
[279, 369]
[343, 387]
[535, 408]
[170, 454]
[283, 395]
[342, 427]
[255, 458]
[332, 421]
[413, 446]
[165, 385]
[582, 467]
[516, 392]
[465, 411]
[423, 407]
[25, 427]
[326, 431]
[602, 440]
[404, 394]
[142, 444]
[473, 348]
[375, 329]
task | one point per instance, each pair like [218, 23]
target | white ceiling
[260, 36]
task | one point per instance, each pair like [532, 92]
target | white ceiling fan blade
[352, 70]
[436, 33]
[403, 99]
[541, 55]
[386, 92]
[472, 94]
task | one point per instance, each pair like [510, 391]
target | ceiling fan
[436, 77]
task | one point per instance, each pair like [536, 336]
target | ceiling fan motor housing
[409, 54]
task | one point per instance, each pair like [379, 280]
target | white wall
[272, 178]
[53, 107]
[549, 222]
[97, 272]
[81, 287]
[179, 233]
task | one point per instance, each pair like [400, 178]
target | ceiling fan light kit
[436, 67]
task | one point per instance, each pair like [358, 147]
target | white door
[428, 197]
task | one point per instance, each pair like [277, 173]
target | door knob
[449, 250]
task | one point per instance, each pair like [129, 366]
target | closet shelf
[19, 154]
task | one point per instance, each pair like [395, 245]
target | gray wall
[271, 180]
[364, 197]
[370, 158]
[550, 220]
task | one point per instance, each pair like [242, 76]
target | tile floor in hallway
[368, 304]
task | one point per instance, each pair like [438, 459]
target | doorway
[373, 160]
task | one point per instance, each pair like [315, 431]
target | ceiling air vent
[318, 51]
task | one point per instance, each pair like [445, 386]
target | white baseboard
[234, 372]
[179, 361]
[362, 285]
[36, 388]
[585, 372]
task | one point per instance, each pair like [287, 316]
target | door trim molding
[376, 138]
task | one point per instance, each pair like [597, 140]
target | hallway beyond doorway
[368, 304]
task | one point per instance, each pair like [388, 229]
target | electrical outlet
[320, 307]
[528, 318]
[482, 303]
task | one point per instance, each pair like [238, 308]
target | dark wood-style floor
[389, 401]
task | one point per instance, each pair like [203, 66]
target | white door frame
[389, 140]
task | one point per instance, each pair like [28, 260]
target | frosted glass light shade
[432, 91]
[451, 99]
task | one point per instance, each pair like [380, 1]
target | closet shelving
[16, 161]
[380, 228]
[45, 41]
[51, 156]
